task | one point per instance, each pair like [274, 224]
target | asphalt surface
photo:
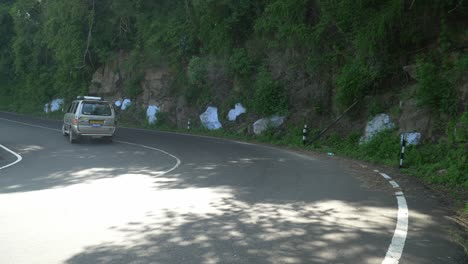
[155, 197]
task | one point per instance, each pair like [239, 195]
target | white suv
[89, 116]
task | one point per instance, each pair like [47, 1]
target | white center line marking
[18, 157]
[178, 162]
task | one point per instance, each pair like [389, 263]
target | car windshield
[96, 108]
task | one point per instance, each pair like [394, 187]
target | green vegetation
[270, 97]
[51, 48]
[354, 82]
[443, 163]
[199, 90]
[436, 88]
[132, 86]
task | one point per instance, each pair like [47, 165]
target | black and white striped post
[403, 145]
[188, 125]
[304, 135]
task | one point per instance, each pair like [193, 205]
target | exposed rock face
[154, 85]
[107, 80]
[411, 70]
[378, 124]
[182, 116]
[414, 118]
[464, 91]
[300, 84]
[263, 124]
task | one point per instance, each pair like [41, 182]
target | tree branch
[453, 9]
[88, 41]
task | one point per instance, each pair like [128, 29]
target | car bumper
[96, 135]
[98, 132]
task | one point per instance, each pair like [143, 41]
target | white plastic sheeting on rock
[118, 103]
[237, 111]
[126, 103]
[412, 138]
[378, 124]
[209, 118]
[151, 113]
[263, 124]
[56, 105]
[53, 106]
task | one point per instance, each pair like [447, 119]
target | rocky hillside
[304, 60]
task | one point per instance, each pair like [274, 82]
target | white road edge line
[18, 157]
[385, 176]
[17, 122]
[394, 184]
[178, 162]
[395, 250]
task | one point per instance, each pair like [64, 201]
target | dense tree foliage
[51, 48]
[6, 58]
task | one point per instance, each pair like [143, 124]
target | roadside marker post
[304, 135]
[188, 125]
[402, 153]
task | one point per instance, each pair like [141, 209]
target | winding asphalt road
[154, 197]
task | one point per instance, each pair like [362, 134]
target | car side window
[73, 108]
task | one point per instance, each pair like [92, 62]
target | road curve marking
[18, 157]
[395, 250]
[178, 162]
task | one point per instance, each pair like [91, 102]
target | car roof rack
[86, 97]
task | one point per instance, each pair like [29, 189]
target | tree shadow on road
[238, 232]
[51, 167]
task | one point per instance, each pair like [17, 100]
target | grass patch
[56, 115]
